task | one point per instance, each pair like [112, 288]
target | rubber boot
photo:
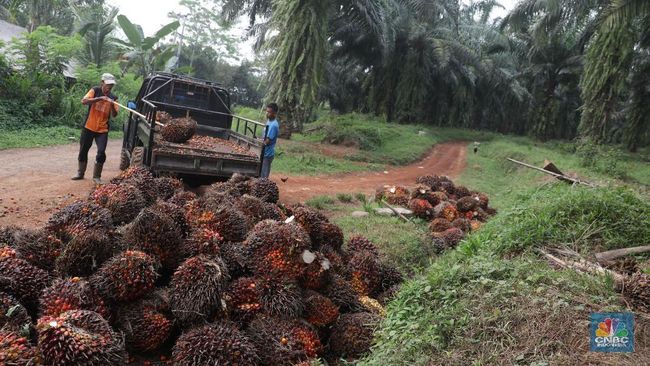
[97, 173]
[81, 170]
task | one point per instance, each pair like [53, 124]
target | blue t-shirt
[272, 134]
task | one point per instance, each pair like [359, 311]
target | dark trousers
[266, 166]
[86, 142]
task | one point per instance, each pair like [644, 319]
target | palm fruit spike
[340, 291]
[372, 306]
[360, 243]
[16, 350]
[179, 130]
[22, 280]
[124, 201]
[79, 217]
[39, 247]
[87, 251]
[315, 275]
[71, 294]
[283, 342]
[157, 233]
[265, 189]
[277, 249]
[421, 208]
[126, 277]
[281, 299]
[352, 334]
[13, 316]
[167, 187]
[215, 344]
[244, 298]
[467, 203]
[319, 310]
[365, 272]
[79, 337]
[197, 287]
[439, 225]
[145, 327]
[637, 289]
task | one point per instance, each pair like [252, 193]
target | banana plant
[142, 51]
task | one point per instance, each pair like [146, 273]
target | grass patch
[45, 136]
[320, 202]
[344, 197]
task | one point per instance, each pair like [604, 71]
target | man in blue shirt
[272, 132]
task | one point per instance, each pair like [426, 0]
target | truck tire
[125, 160]
[137, 156]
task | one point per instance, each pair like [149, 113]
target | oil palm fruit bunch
[316, 273]
[256, 210]
[463, 224]
[335, 257]
[312, 222]
[220, 343]
[167, 187]
[446, 210]
[197, 288]
[86, 252]
[277, 249]
[467, 203]
[282, 299]
[124, 201]
[341, 292]
[142, 178]
[460, 192]
[22, 280]
[126, 277]
[395, 195]
[283, 342]
[439, 224]
[235, 255]
[358, 243]
[372, 306]
[38, 247]
[319, 310]
[145, 326]
[421, 208]
[202, 241]
[244, 298]
[16, 350]
[79, 217]
[163, 117]
[181, 198]
[637, 289]
[332, 236]
[450, 238]
[226, 220]
[352, 334]
[390, 276]
[71, 294]
[265, 189]
[79, 337]
[387, 296]
[13, 316]
[179, 130]
[365, 272]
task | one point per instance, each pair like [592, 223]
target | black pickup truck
[231, 145]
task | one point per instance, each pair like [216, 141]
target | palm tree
[96, 25]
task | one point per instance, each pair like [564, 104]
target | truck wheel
[125, 161]
[137, 156]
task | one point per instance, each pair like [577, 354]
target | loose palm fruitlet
[215, 344]
[352, 334]
[179, 130]
[126, 277]
[79, 337]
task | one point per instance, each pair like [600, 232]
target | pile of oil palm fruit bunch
[146, 272]
[452, 210]
[177, 130]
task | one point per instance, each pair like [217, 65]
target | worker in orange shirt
[100, 110]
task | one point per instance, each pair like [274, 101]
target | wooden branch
[584, 266]
[142, 116]
[556, 175]
[617, 253]
[395, 211]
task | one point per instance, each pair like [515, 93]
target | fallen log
[617, 253]
[556, 175]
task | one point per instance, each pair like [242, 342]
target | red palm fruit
[352, 334]
[365, 272]
[446, 210]
[227, 221]
[283, 342]
[255, 210]
[467, 203]
[71, 294]
[475, 224]
[8, 252]
[215, 344]
[144, 325]
[197, 287]
[16, 350]
[360, 243]
[181, 198]
[283, 299]
[79, 217]
[202, 241]
[38, 247]
[13, 316]
[126, 277]
[244, 298]
[22, 280]
[142, 178]
[439, 225]
[265, 189]
[341, 292]
[319, 310]
[79, 337]
[421, 208]
[86, 252]
[124, 201]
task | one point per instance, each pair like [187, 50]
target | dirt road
[35, 182]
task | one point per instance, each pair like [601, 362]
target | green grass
[45, 136]
[320, 202]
